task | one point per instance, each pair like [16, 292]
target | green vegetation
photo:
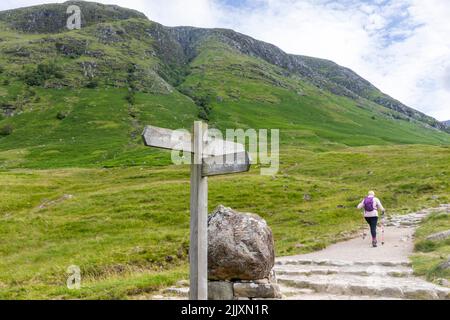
[61, 115]
[42, 73]
[431, 254]
[92, 84]
[128, 227]
[77, 186]
[131, 97]
[205, 109]
[6, 130]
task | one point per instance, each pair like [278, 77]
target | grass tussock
[429, 255]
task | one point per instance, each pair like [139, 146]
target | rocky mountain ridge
[323, 73]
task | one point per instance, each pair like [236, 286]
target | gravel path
[354, 270]
[398, 246]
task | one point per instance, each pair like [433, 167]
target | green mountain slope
[81, 97]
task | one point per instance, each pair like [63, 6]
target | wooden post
[208, 159]
[198, 252]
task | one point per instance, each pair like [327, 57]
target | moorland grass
[128, 228]
[429, 255]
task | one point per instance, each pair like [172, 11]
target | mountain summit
[52, 18]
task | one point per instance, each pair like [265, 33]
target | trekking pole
[363, 228]
[382, 229]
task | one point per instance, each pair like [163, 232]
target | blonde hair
[371, 193]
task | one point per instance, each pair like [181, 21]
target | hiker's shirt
[376, 206]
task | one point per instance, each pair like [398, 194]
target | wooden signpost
[208, 158]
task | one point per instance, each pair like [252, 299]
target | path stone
[254, 290]
[444, 282]
[220, 290]
[445, 265]
[439, 236]
[177, 292]
[183, 283]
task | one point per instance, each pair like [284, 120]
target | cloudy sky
[401, 46]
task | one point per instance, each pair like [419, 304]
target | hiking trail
[353, 270]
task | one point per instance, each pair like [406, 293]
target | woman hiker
[371, 205]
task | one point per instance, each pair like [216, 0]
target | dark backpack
[368, 204]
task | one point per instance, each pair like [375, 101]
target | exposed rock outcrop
[445, 265]
[52, 18]
[439, 236]
[324, 74]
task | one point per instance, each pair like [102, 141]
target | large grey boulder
[240, 246]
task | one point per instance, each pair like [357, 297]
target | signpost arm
[198, 253]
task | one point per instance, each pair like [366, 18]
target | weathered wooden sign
[210, 157]
[226, 164]
[182, 141]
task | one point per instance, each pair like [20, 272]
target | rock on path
[354, 270]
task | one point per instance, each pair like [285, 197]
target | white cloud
[401, 46]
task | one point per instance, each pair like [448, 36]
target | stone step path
[359, 270]
[364, 280]
[340, 263]
[291, 293]
[353, 270]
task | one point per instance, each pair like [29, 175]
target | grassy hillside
[128, 228]
[66, 127]
[99, 128]
[81, 98]
[77, 186]
[254, 94]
